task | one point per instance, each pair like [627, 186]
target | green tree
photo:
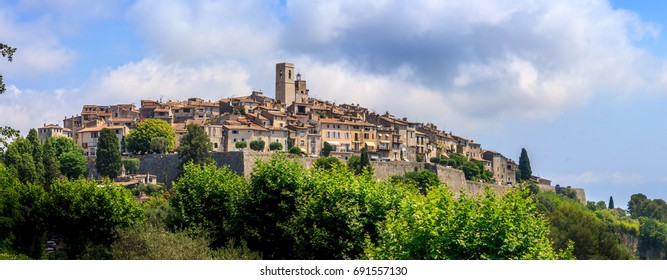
[257, 145]
[20, 162]
[269, 206]
[63, 145]
[7, 52]
[611, 203]
[89, 215]
[652, 239]
[108, 161]
[131, 165]
[439, 226]
[159, 145]
[7, 134]
[51, 164]
[327, 163]
[435, 160]
[241, 145]
[275, 146]
[326, 149]
[365, 160]
[637, 204]
[37, 155]
[295, 151]
[423, 180]
[524, 165]
[337, 213]
[22, 216]
[195, 147]
[571, 221]
[354, 164]
[139, 139]
[205, 198]
[420, 158]
[73, 164]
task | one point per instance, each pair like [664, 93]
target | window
[289, 74]
[93, 134]
[215, 145]
[234, 140]
[328, 134]
[347, 135]
[302, 143]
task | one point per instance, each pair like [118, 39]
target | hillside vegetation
[285, 211]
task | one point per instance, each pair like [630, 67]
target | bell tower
[285, 91]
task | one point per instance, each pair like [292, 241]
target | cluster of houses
[292, 118]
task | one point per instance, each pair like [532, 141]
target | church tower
[285, 91]
[301, 90]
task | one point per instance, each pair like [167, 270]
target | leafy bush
[295, 151]
[275, 146]
[257, 145]
[131, 165]
[204, 197]
[439, 226]
[422, 180]
[327, 162]
[241, 145]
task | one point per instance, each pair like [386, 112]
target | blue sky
[580, 84]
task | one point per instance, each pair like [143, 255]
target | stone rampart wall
[165, 167]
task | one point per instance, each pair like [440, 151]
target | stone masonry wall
[165, 167]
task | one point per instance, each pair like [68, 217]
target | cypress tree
[37, 154]
[365, 160]
[611, 202]
[51, 166]
[108, 162]
[524, 165]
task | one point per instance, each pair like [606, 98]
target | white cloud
[38, 48]
[492, 61]
[26, 109]
[196, 31]
[153, 79]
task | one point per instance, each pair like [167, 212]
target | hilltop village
[292, 116]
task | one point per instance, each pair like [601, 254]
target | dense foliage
[241, 145]
[275, 146]
[195, 146]
[257, 145]
[131, 165]
[571, 221]
[139, 139]
[108, 160]
[326, 149]
[285, 211]
[525, 172]
[439, 226]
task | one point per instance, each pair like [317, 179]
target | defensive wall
[165, 167]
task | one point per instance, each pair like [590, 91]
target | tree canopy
[195, 146]
[524, 165]
[108, 161]
[257, 145]
[139, 139]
